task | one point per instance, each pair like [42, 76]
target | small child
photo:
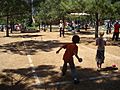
[71, 50]
[100, 42]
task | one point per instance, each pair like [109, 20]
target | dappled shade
[25, 36]
[30, 47]
[89, 79]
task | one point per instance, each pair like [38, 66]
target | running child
[71, 50]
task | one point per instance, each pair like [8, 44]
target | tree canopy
[50, 10]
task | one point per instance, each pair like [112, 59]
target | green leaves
[52, 9]
[13, 8]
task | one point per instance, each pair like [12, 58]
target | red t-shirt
[71, 49]
[116, 27]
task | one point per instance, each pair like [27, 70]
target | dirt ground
[28, 61]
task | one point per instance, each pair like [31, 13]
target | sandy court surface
[35, 54]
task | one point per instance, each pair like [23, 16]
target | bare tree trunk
[63, 26]
[96, 26]
[39, 26]
[50, 26]
[7, 31]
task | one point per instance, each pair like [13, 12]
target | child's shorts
[100, 56]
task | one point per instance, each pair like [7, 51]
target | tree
[114, 1]
[99, 9]
[12, 9]
[116, 10]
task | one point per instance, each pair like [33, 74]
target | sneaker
[76, 81]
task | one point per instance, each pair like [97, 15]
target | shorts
[100, 56]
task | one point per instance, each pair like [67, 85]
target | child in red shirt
[71, 50]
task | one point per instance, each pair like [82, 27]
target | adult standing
[61, 26]
[73, 27]
[116, 31]
[109, 26]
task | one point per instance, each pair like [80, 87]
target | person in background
[61, 27]
[116, 31]
[109, 26]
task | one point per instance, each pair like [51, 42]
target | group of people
[71, 26]
[61, 27]
[72, 49]
[109, 30]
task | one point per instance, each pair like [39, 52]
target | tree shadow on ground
[23, 78]
[25, 36]
[87, 32]
[52, 80]
[9, 81]
[109, 69]
[91, 40]
[43, 70]
[80, 32]
[89, 79]
[69, 33]
[113, 43]
[87, 40]
[109, 42]
[30, 47]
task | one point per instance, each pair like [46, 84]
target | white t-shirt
[61, 25]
